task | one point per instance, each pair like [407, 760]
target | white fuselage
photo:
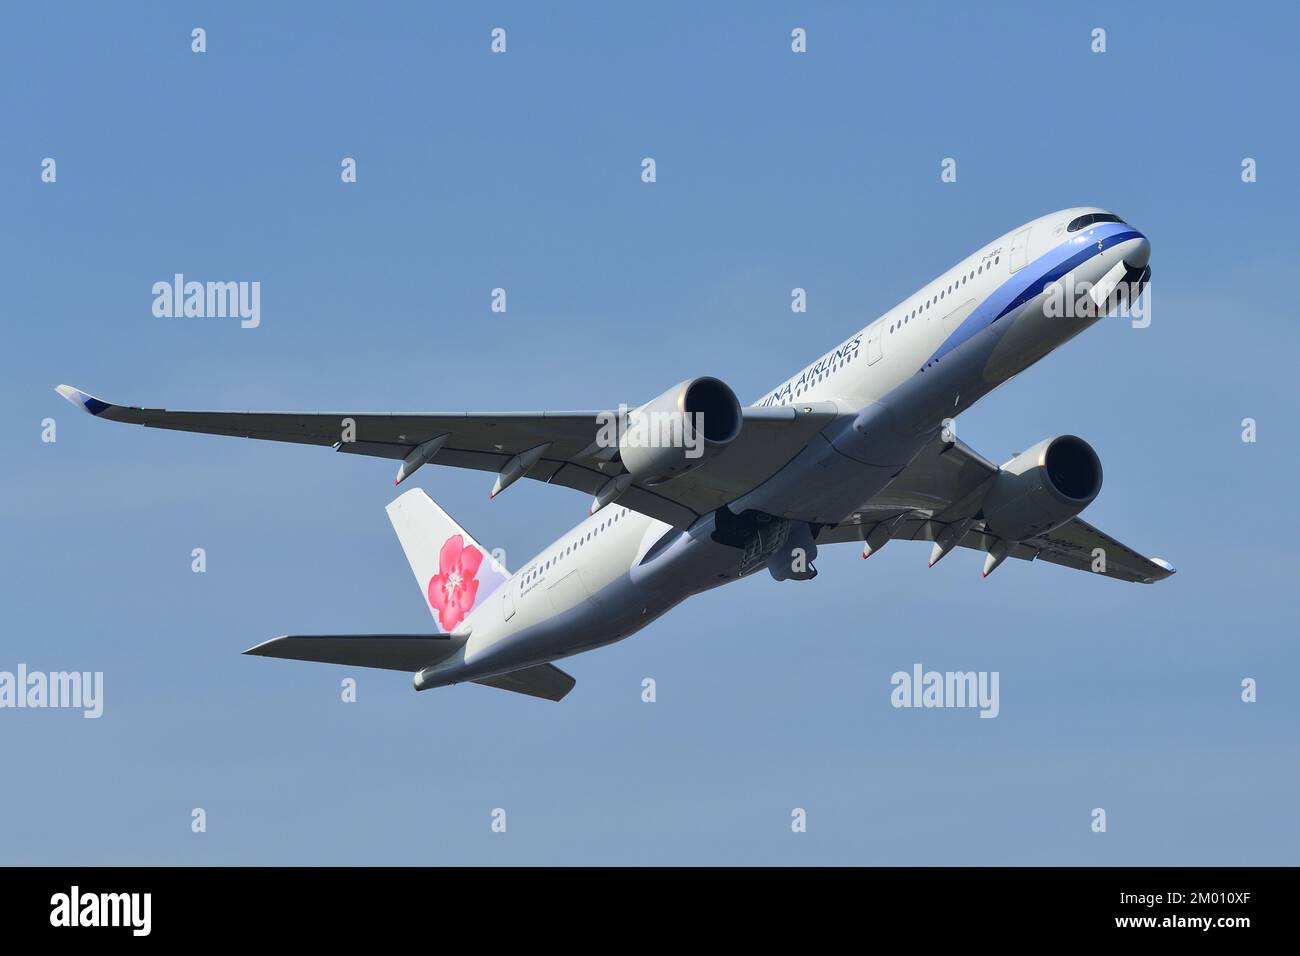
[895, 382]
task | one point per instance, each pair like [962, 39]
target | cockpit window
[1091, 219]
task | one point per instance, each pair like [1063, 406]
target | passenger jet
[692, 490]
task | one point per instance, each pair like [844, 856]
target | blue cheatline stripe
[1029, 281]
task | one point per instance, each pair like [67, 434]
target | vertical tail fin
[455, 573]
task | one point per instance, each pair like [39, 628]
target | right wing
[556, 447]
[943, 487]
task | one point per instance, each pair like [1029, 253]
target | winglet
[88, 402]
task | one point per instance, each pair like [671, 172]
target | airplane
[692, 490]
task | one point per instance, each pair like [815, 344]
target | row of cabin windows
[944, 293]
[820, 376]
[607, 523]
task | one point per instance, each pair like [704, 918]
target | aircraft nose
[1139, 253]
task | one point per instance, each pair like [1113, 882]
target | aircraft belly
[622, 609]
[834, 476]
[840, 486]
[568, 592]
[1029, 336]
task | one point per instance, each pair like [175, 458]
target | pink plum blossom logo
[453, 589]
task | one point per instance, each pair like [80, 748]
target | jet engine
[1042, 488]
[680, 430]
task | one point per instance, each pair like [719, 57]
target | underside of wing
[543, 680]
[940, 498]
[561, 448]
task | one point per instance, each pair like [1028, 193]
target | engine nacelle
[1042, 488]
[680, 430]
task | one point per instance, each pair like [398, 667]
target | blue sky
[522, 171]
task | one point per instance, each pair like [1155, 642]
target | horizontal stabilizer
[544, 680]
[394, 652]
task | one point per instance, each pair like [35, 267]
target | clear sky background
[522, 171]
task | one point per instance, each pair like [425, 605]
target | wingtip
[84, 400]
[259, 650]
[1165, 564]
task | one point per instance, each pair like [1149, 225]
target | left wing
[941, 489]
[555, 447]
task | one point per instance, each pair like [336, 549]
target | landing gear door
[873, 343]
[1020, 250]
